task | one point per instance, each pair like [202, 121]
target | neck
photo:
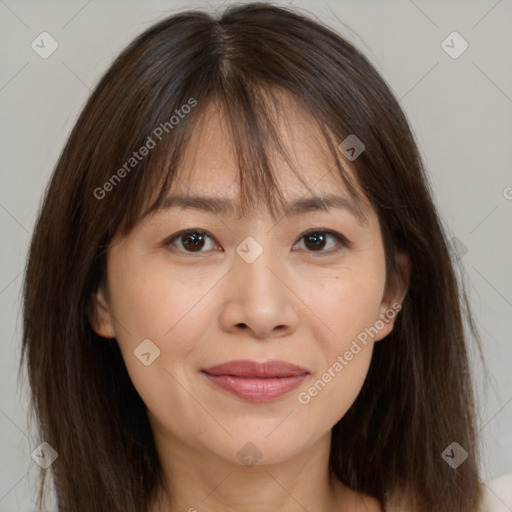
[204, 482]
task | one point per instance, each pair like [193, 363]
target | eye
[195, 240]
[190, 240]
[316, 240]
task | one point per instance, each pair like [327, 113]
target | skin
[293, 303]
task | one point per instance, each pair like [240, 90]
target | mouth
[254, 381]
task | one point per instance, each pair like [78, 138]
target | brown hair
[417, 398]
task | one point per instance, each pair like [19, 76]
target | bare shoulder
[496, 497]
[371, 504]
[497, 494]
[360, 502]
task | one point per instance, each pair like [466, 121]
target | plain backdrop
[460, 110]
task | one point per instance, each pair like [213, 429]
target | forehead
[209, 168]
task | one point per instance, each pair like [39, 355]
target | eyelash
[343, 242]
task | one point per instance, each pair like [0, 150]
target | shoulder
[496, 497]
[497, 494]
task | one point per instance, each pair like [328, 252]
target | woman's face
[253, 289]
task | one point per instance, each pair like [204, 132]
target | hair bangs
[256, 115]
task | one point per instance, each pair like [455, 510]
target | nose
[260, 303]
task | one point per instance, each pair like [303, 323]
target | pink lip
[256, 382]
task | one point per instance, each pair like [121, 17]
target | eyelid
[170, 240]
[342, 240]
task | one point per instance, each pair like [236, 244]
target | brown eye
[317, 240]
[190, 240]
[193, 241]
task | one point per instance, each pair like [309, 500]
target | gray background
[460, 110]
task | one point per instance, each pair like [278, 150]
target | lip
[256, 381]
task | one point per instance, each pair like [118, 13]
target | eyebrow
[224, 206]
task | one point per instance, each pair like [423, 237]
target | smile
[254, 381]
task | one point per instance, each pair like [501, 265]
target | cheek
[154, 304]
[349, 306]
[346, 357]
[332, 393]
[159, 304]
[158, 307]
[346, 303]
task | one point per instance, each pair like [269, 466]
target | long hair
[417, 397]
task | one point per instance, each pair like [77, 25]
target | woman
[239, 295]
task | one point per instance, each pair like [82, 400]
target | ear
[101, 319]
[394, 293]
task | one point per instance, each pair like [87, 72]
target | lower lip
[255, 389]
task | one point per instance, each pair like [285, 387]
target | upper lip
[246, 368]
